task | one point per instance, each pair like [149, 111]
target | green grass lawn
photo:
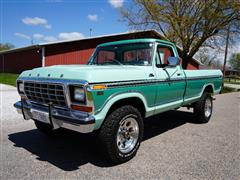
[227, 90]
[232, 79]
[8, 78]
[231, 82]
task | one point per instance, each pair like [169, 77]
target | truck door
[171, 78]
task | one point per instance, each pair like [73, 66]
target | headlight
[21, 87]
[79, 94]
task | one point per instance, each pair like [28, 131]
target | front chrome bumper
[57, 117]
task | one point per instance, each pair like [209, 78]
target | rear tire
[44, 128]
[121, 134]
[203, 108]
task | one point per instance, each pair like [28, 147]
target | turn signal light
[99, 86]
[82, 108]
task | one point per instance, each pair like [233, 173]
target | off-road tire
[199, 108]
[109, 130]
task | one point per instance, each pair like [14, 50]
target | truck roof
[143, 40]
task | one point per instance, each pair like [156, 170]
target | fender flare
[100, 114]
[206, 85]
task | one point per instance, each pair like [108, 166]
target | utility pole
[31, 41]
[226, 51]
[90, 32]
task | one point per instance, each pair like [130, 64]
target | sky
[24, 22]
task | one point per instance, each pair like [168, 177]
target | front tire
[121, 134]
[203, 108]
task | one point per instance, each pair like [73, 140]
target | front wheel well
[133, 101]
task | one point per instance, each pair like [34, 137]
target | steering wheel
[117, 61]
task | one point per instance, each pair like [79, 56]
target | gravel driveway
[173, 147]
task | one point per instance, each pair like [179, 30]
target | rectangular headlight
[77, 94]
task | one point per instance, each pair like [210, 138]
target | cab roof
[143, 40]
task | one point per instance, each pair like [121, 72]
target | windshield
[124, 54]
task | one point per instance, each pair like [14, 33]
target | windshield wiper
[117, 61]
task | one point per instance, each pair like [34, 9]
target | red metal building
[66, 52]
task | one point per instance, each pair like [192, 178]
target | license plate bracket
[40, 116]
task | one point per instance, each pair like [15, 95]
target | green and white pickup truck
[123, 82]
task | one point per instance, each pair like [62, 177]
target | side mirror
[173, 61]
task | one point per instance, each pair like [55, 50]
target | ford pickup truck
[123, 82]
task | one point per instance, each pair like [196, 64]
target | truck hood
[91, 73]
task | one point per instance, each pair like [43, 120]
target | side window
[163, 53]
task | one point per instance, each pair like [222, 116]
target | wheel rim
[208, 107]
[127, 135]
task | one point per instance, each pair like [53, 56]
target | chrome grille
[45, 93]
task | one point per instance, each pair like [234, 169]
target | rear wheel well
[209, 89]
[133, 101]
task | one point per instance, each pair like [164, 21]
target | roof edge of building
[20, 49]
[90, 38]
[100, 36]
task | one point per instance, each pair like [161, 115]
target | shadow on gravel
[69, 150]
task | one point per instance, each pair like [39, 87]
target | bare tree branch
[190, 23]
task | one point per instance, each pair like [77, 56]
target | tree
[189, 23]
[6, 46]
[231, 32]
[235, 61]
[208, 58]
[204, 57]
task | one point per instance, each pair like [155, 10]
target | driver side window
[163, 52]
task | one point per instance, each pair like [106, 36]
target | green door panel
[169, 92]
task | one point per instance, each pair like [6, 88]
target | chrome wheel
[208, 107]
[128, 133]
